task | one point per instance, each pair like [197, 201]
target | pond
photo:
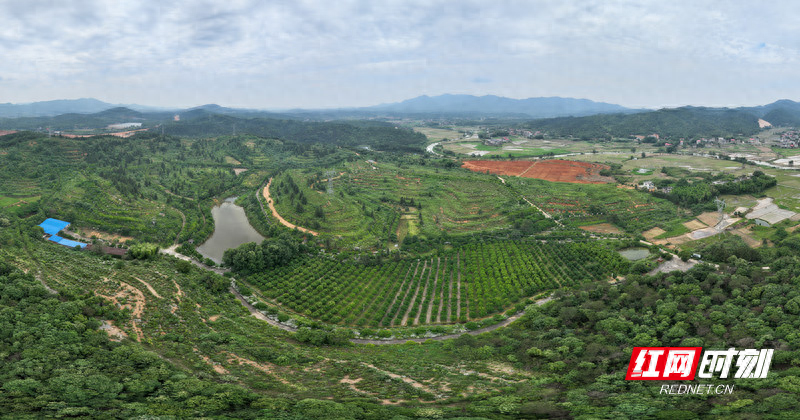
[634, 254]
[231, 229]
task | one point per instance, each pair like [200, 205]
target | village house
[647, 185]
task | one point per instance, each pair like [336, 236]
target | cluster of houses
[528, 134]
[790, 139]
[496, 141]
[650, 187]
[715, 141]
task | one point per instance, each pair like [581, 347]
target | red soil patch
[498, 167]
[549, 170]
[5, 132]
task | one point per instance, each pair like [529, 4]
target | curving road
[278, 216]
[256, 313]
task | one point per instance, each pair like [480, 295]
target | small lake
[634, 254]
[231, 229]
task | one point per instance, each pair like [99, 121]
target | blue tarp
[53, 226]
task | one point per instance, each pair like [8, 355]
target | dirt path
[414, 276]
[441, 294]
[396, 295]
[450, 299]
[268, 369]
[114, 333]
[149, 287]
[525, 171]
[214, 365]
[458, 293]
[421, 307]
[404, 321]
[433, 291]
[278, 216]
[179, 294]
[255, 312]
[544, 213]
[183, 225]
[405, 379]
[137, 305]
[41, 280]
[176, 195]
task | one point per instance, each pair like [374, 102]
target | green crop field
[471, 282]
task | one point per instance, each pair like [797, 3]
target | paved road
[171, 251]
[256, 313]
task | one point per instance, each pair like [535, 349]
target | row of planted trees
[474, 281]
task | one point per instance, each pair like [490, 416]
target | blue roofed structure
[67, 242]
[53, 226]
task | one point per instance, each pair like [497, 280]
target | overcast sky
[316, 54]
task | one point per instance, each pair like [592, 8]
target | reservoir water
[231, 229]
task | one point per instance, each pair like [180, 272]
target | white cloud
[315, 54]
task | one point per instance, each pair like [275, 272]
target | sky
[321, 54]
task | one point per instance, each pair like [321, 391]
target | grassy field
[438, 134]
[11, 200]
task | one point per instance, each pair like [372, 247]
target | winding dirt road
[278, 216]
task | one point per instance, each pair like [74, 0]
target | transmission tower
[330, 175]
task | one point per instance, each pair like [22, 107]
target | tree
[143, 251]
[643, 155]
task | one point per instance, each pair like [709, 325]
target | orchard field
[468, 283]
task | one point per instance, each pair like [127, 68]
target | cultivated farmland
[468, 283]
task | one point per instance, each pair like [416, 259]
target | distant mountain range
[491, 105]
[557, 116]
[443, 105]
[64, 106]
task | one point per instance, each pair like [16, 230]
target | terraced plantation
[468, 283]
[365, 201]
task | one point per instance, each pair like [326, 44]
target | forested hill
[381, 136]
[679, 122]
